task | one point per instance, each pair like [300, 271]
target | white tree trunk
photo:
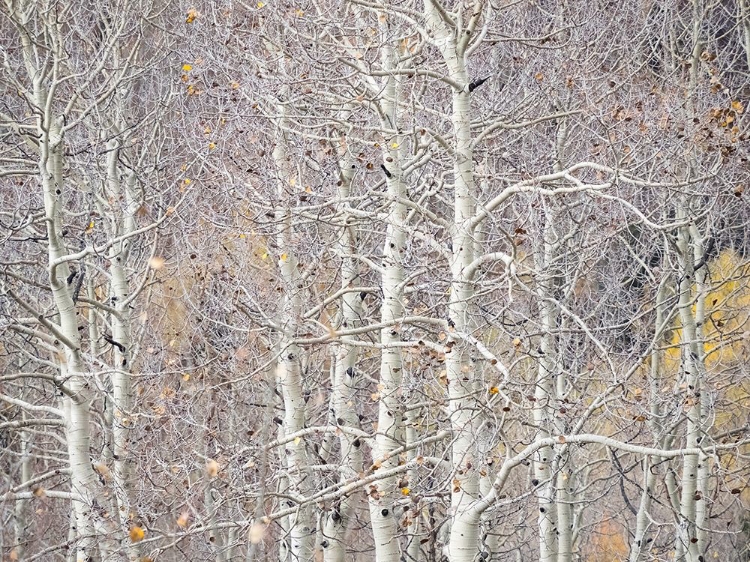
[460, 369]
[638, 548]
[346, 378]
[288, 371]
[692, 293]
[121, 217]
[382, 497]
[94, 512]
[21, 520]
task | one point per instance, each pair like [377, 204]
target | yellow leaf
[212, 468]
[737, 106]
[90, 227]
[405, 491]
[156, 262]
[211, 145]
[292, 182]
[284, 257]
[264, 256]
[394, 145]
[494, 390]
[235, 85]
[516, 342]
[297, 440]
[256, 532]
[260, 5]
[187, 67]
[299, 13]
[104, 471]
[192, 13]
[186, 377]
[183, 519]
[187, 181]
[136, 533]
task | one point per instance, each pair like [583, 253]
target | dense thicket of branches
[351, 280]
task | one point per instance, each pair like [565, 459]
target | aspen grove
[374, 280]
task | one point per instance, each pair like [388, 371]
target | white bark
[544, 395]
[461, 371]
[691, 296]
[121, 221]
[346, 377]
[93, 512]
[288, 372]
[22, 523]
[638, 548]
[389, 435]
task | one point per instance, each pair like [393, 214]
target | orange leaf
[137, 533]
[183, 519]
[212, 468]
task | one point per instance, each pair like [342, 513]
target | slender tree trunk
[288, 373]
[545, 463]
[121, 222]
[346, 377]
[460, 368]
[638, 549]
[93, 513]
[21, 511]
[382, 495]
[691, 307]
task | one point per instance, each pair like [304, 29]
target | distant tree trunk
[638, 547]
